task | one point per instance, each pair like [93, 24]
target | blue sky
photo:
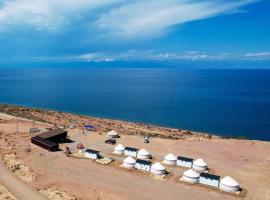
[108, 31]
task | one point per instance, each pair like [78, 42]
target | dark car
[110, 141]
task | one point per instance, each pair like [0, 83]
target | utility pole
[17, 121]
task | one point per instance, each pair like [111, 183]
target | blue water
[224, 102]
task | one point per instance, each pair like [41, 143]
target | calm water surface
[224, 102]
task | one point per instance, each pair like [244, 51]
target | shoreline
[26, 112]
[66, 119]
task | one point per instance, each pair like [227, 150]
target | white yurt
[170, 159]
[129, 162]
[113, 134]
[158, 168]
[119, 149]
[228, 184]
[199, 165]
[143, 154]
[191, 176]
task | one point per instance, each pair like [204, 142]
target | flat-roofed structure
[129, 151]
[56, 135]
[209, 179]
[46, 144]
[184, 162]
[49, 140]
[92, 154]
[143, 165]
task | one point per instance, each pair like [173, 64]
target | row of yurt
[141, 154]
[227, 184]
[198, 165]
[157, 168]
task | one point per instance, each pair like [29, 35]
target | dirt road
[16, 187]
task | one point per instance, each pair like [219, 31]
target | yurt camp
[228, 184]
[199, 165]
[119, 149]
[143, 154]
[158, 169]
[170, 159]
[129, 162]
[112, 134]
[191, 176]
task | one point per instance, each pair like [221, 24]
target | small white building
[184, 162]
[92, 154]
[191, 176]
[143, 165]
[199, 165]
[112, 134]
[119, 149]
[143, 154]
[129, 151]
[228, 184]
[170, 159]
[158, 169]
[209, 179]
[129, 162]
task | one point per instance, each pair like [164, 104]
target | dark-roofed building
[56, 135]
[184, 162]
[129, 151]
[92, 154]
[143, 165]
[46, 144]
[49, 140]
[209, 179]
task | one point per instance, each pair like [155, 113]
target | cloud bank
[112, 18]
[152, 55]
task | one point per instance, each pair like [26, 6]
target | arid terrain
[58, 176]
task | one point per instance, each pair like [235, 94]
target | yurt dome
[113, 133]
[191, 176]
[228, 184]
[143, 154]
[119, 149]
[199, 165]
[158, 168]
[129, 162]
[170, 159]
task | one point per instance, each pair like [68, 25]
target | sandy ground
[246, 161]
[5, 195]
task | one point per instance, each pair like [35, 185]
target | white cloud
[139, 55]
[47, 14]
[154, 17]
[258, 56]
[125, 18]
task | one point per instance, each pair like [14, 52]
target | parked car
[110, 141]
